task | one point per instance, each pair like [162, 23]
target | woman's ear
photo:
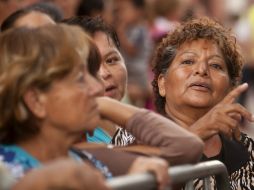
[34, 100]
[161, 85]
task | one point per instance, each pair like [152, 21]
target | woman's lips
[200, 86]
[110, 91]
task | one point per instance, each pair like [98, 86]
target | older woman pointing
[197, 70]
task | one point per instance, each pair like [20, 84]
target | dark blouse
[238, 157]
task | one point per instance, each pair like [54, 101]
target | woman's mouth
[110, 91]
[201, 86]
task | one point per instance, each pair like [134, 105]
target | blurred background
[155, 18]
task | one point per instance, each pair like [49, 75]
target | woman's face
[112, 71]
[70, 103]
[197, 77]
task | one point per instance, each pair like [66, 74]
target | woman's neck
[48, 145]
[108, 126]
[186, 116]
[212, 146]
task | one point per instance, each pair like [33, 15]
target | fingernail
[252, 118]
[244, 85]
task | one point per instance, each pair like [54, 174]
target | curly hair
[203, 28]
[35, 58]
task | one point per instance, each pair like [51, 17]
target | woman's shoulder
[248, 142]
[99, 136]
[243, 177]
[17, 160]
[234, 154]
[8, 156]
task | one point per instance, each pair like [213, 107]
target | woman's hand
[63, 174]
[155, 165]
[223, 118]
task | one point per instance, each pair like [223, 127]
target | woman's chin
[92, 124]
[201, 104]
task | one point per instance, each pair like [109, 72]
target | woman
[30, 61]
[47, 98]
[113, 74]
[197, 70]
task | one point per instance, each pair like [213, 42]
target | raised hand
[223, 118]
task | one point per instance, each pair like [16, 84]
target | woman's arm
[155, 130]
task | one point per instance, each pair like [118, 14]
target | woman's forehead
[199, 44]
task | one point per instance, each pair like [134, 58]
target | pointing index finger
[231, 96]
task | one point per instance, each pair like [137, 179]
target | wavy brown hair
[35, 58]
[203, 28]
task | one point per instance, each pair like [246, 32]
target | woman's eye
[112, 60]
[187, 62]
[216, 66]
[80, 78]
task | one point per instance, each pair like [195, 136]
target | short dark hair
[93, 25]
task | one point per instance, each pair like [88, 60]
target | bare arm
[116, 111]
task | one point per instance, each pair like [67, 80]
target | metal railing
[178, 174]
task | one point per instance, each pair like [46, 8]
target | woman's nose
[96, 87]
[104, 71]
[201, 68]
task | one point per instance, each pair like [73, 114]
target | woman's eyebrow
[216, 56]
[188, 52]
[111, 52]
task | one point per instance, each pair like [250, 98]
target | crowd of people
[92, 90]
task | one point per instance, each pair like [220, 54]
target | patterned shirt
[99, 136]
[18, 161]
[238, 157]
[120, 138]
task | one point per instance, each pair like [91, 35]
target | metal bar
[178, 174]
[134, 182]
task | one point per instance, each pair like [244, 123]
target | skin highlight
[34, 19]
